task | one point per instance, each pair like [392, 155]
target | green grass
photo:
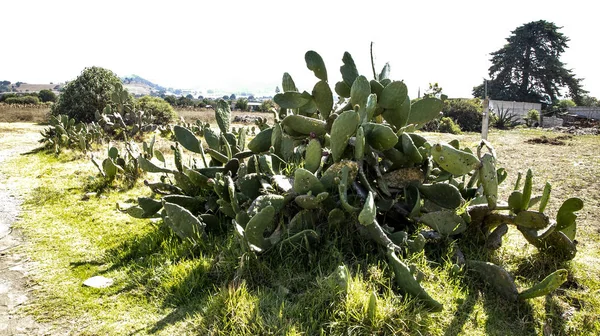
[166, 287]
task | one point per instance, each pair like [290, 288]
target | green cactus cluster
[125, 163]
[124, 121]
[360, 162]
[64, 132]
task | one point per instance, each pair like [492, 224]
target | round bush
[160, 109]
[87, 94]
[447, 125]
[27, 100]
[467, 113]
[47, 96]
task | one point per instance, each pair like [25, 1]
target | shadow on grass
[502, 317]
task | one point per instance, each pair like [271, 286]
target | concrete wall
[518, 108]
[548, 122]
[590, 112]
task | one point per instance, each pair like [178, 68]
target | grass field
[24, 113]
[166, 287]
[39, 114]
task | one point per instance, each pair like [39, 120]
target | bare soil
[15, 288]
[550, 141]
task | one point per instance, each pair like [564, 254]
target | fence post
[486, 119]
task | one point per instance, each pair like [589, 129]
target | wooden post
[486, 113]
[486, 119]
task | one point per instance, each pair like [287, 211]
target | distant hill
[25, 88]
[138, 85]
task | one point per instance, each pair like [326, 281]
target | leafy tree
[87, 94]
[189, 96]
[242, 104]
[232, 97]
[4, 86]
[47, 96]
[277, 90]
[184, 101]
[160, 109]
[566, 103]
[5, 96]
[171, 100]
[589, 101]
[528, 67]
[267, 105]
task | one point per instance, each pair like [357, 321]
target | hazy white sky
[245, 45]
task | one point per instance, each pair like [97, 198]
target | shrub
[87, 95]
[467, 113]
[533, 118]
[160, 109]
[505, 119]
[5, 96]
[447, 125]
[26, 100]
[47, 96]
[267, 105]
[242, 104]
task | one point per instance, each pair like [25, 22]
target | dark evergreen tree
[528, 67]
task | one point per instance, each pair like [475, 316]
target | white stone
[98, 282]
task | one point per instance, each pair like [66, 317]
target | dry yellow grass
[207, 115]
[24, 113]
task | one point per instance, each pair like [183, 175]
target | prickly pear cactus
[360, 162]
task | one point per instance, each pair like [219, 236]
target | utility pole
[486, 113]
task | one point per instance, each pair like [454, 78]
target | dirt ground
[15, 288]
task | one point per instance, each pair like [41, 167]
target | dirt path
[15, 288]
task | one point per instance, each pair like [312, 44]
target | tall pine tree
[528, 67]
